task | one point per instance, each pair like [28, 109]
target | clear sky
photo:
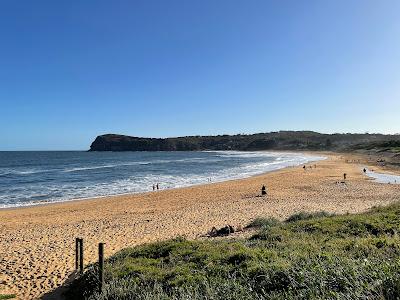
[71, 70]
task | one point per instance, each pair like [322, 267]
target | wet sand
[37, 243]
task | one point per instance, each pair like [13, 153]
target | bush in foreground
[345, 257]
[308, 215]
[8, 296]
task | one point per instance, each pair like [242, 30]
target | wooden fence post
[101, 266]
[81, 256]
[76, 253]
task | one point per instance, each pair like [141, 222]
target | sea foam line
[141, 185]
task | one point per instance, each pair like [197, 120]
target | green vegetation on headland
[309, 256]
[282, 140]
[388, 146]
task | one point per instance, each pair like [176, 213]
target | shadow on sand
[58, 293]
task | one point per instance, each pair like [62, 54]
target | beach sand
[37, 243]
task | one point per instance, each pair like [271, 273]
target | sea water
[30, 178]
[383, 177]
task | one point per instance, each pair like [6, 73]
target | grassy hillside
[391, 146]
[309, 256]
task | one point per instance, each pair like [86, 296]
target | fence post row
[79, 260]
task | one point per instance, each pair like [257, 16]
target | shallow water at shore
[30, 178]
[383, 178]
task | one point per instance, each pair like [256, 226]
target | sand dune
[37, 243]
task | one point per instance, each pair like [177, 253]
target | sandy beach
[37, 243]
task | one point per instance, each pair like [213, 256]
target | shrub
[307, 216]
[8, 296]
[263, 222]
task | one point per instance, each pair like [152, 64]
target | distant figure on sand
[154, 187]
[365, 170]
[157, 187]
[304, 167]
[344, 176]
[263, 191]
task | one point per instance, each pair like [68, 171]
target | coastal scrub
[320, 256]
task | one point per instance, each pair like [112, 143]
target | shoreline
[37, 242]
[57, 202]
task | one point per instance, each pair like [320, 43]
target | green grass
[314, 256]
[263, 222]
[307, 215]
[3, 297]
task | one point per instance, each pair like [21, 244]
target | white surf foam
[139, 184]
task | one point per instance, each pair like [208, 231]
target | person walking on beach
[157, 186]
[154, 187]
[344, 176]
[304, 167]
[263, 191]
[365, 170]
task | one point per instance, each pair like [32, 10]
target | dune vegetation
[308, 256]
[8, 296]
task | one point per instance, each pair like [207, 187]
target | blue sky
[70, 70]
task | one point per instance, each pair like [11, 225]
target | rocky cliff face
[282, 140]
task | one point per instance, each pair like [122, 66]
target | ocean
[38, 177]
